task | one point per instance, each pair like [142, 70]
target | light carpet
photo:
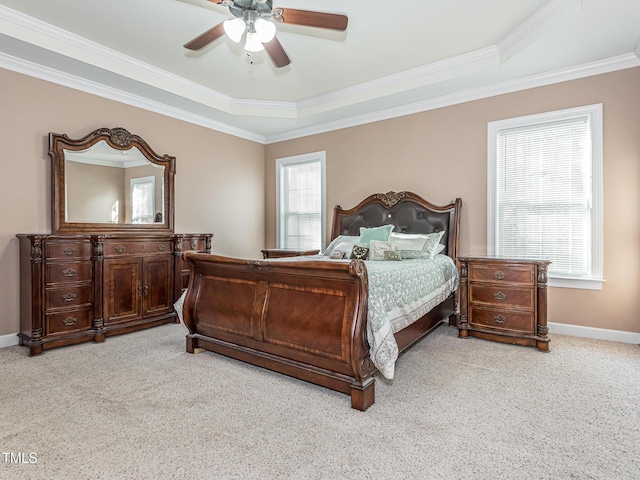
[139, 407]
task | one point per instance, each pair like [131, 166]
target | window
[300, 190]
[143, 199]
[545, 193]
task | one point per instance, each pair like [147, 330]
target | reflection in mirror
[104, 185]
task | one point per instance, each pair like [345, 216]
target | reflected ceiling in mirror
[110, 180]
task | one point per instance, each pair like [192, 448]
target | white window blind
[543, 193]
[301, 201]
[142, 199]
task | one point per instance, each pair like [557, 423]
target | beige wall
[92, 191]
[441, 154]
[213, 170]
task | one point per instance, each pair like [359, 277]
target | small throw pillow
[377, 233]
[359, 252]
[377, 249]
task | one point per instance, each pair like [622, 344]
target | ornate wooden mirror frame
[114, 141]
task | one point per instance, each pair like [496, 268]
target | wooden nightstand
[504, 300]
[286, 252]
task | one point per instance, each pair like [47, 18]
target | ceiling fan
[254, 17]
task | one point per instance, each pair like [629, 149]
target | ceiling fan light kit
[255, 18]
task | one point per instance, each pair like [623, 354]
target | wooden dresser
[76, 288]
[112, 263]
[504, 300]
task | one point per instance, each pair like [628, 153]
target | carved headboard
[407, 211]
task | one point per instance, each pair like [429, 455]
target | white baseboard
[557, 328]
[597, 333]
[9, 340]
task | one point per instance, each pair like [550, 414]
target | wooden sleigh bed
[307, 318]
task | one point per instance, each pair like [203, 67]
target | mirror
[110, 180]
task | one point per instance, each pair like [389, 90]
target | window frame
[281, 163]
[595, 279]
[151, 179]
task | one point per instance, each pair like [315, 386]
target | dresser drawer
[521, 274]
[502, 295]
[67, 250]
[502, 320]
[112, 248]
[67, 272]
[68, 322]
[197, 244]
[68, 296]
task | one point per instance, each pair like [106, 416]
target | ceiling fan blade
[277, 53]
[205, 38]
[308, 18]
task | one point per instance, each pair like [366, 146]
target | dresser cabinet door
[157, 286]
[123, 285]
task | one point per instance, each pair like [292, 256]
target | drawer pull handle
[194, 244]
[500, 296]
[500, 275]
[161, 247]
[70, 321]
[499, 319]
[69, 251]
[120, 248]
[69, 272]
[69, 297]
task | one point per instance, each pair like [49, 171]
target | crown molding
[533, 27]
[51, 75]
[581, 71]
[48, 74]
[414, 78]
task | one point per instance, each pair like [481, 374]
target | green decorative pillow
[377, 233]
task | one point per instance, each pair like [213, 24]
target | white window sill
[583, 283]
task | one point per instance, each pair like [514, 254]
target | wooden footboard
[304, 319]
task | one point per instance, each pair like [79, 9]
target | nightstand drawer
[524, 274]
[502, 320]
[503, 296]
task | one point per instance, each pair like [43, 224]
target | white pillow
[342, 243]
[408, 241]
[430, 242]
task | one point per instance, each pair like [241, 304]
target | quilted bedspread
[399, 294]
